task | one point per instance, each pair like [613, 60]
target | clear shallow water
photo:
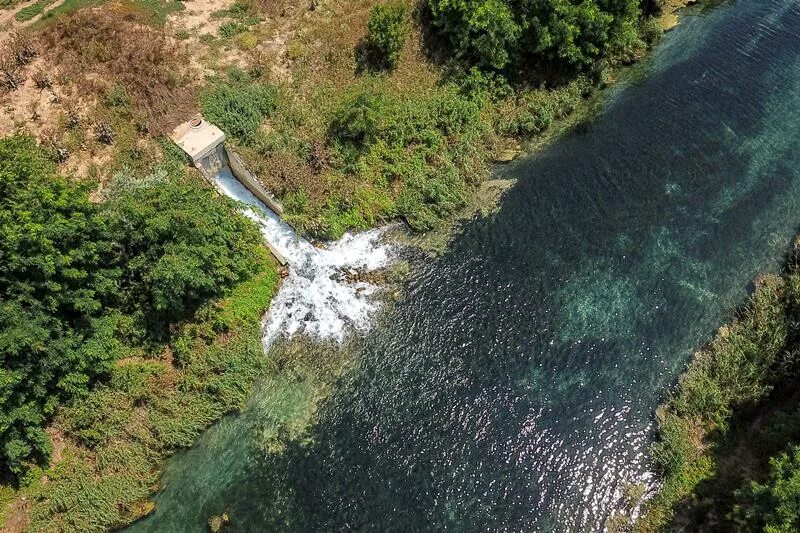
[514, 387]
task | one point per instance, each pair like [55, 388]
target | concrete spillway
[205, 144]
[321, 297]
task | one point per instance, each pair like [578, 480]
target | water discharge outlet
[316, 298]
[204, 143]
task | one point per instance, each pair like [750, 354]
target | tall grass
[119, 434]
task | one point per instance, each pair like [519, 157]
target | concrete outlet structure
[204, 143]
[198, 138]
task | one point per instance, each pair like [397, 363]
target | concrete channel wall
[205, 144]
[241, 172]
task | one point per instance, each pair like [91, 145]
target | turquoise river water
[514, 387]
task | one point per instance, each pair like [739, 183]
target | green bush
[57, 278]
[427, 149]
[238, 105]
[532, 112]
[230, 29]
[29, 12]
[79, 279]
[387, 30]
[738, 368]
[773, 506]
[182, 245]
[510, 35]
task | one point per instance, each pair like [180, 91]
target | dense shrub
[532, 112]
[180, 246]
[387, 30]
[30, 11]
[773, 506]
[57, 273]
[78, 278]
[513, 34]
[238, 105]
[427, 149]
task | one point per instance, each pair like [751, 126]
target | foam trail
[316, 298]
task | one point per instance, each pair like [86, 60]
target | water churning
[319, 297]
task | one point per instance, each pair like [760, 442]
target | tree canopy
[773, 506]
[518, 34]
[73, 273]
[180, 245]
[56, 274]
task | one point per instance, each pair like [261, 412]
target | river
[514, 386]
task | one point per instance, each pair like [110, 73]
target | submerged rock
[218, 523]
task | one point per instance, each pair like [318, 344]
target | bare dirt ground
[27, 108]
[669, 17]
[279, 27]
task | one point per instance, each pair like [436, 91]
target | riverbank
[733, 414]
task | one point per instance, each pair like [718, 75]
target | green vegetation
[238, 104]
[532, 112]
[428, 148]
[123, 429]
[81, 279]
[387, 30]
[181, 247]
[511, 35]
[58, 273]
[349, 145]
[28, 12]
[775, 505]
[734, 408]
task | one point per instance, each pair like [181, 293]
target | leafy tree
[387, 32]
[180, 246]
[56, 274]
[512, 35]
[77, 277]
[775, 505]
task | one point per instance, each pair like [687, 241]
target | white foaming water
[316, 298]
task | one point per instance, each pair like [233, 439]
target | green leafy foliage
[238, 104]
[180, 245]
[56, 276]
[428, 149]
[31, 11]
[513, 34]
[77, 279]
[387, 30]
[531, 112]
[737, 371]
[230, 29]
[130, 423]
[773, 506]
